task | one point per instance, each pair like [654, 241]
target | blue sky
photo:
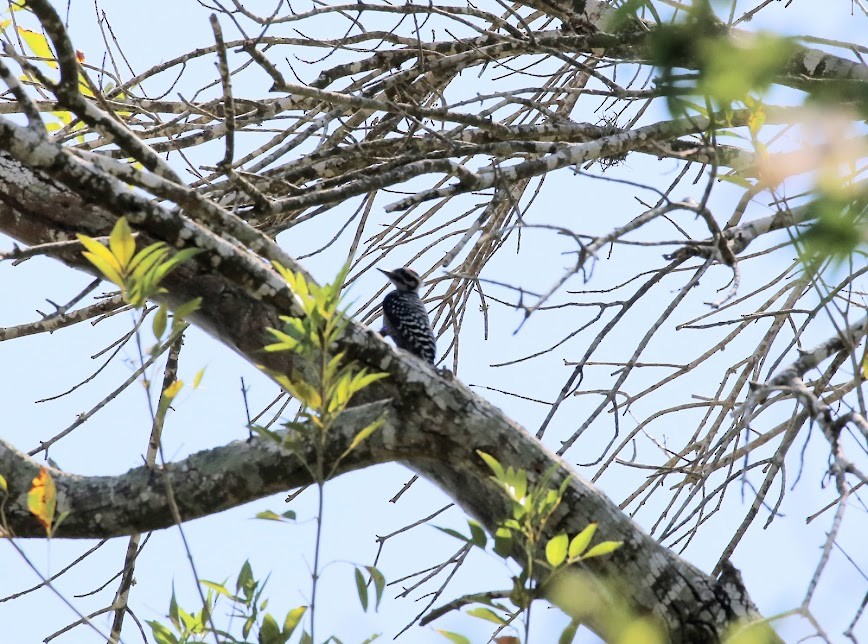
[776, 562]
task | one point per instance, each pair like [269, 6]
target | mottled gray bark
[434, 426]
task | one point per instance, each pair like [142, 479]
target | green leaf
[173, 610]
[220, 589]
[379, 583]
[731, 69]
[569, 633]
[361, 588]
[477, 534]
[269, 631]
[300, 288]
[503, 541]
[266, 433]
[59, 519]
[756, 120]
[293, 619]
[301, 391]
[248, 625]
[339, 396]
[736, 179]
[162, 635]
[839, 228]
[3, 485]
[363, 379]
[365, 432]
[146, 269]
[245, 579]
[269, 515]
[335, 362]
[493, 464]
[188, 621]
[147, 257]
[758, 632]
[603, 548]
[582, 540]
[455, 638]
[188, 307]
[624, 14]
[161, 321]
[284, 272]
[121, 242]
[481, 612]
[515, 483]
[453, 533]
[285, 342]
[556, 550]
[184, 255]
[305, 638]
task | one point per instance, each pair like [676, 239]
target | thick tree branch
[434, 426]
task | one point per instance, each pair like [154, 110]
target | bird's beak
[386, 273]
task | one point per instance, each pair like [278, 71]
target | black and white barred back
[405, 319]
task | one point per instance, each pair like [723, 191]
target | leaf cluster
[247, 605]
[137, 274]
[522, 535]
[312, 334]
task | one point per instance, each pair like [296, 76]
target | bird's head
[404, 279]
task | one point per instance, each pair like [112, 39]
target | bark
[434, 426]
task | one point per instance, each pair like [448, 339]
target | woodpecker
[405, 319]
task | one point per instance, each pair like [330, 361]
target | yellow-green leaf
[300, 390]
[284, 272]
[865, 362]
[286, 342]
[107, 268]
[645, 631]
[364, 433]
[84, 86]
[492, 463]
[148, 256]
[197, 380]
[173, 390]
[63, 116]
[3, 485]
[269, 631]
[270, 515]
[293, 619]
[161, 320]
[362, 380]
[556, 549]
[379, 583]
[102, 258]
[122, 243]
[756, 120]
[42, 499]
[301, 289]
[603, 548]
[220, 589]
[455, 638]
[481, 612]
[188, 307]
[582, 540]
[340, 393]
[38, 44]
